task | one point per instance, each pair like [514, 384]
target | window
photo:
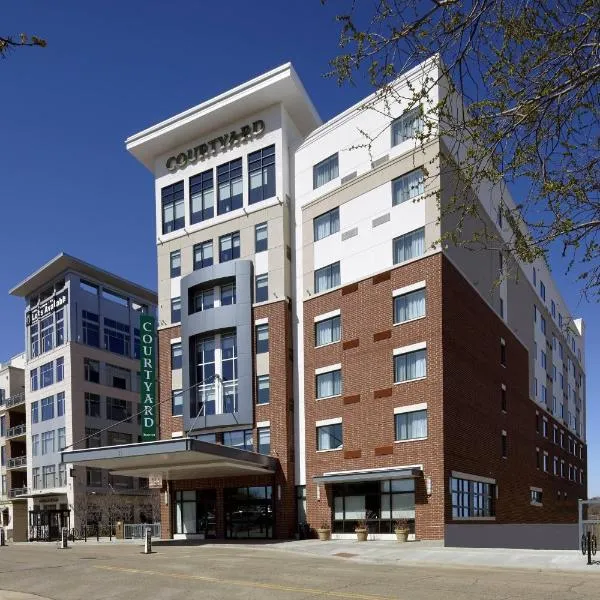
[410, 365]
[176, 310]
[62, 475]
[329, 384]
[471, 499]
[47, 405]
[60, 404]
[34, 341]
[261, 241]
[202, 198]
[118, 438]
[535, 313]
[61, 439]
[542, 290]
[326, 224]
[411, 425]
[175, 263]
[543, 324]
[176, 357]
[327, 277]
[261, 292]
[177, 403]
[261, 174]
[229, 247]
[33, 379]
[36, 478]
[264, 440]
[203, 255]
[34, 412]
[262, 338]
[329, 437]
[503, 398]
[262, 389]
[47, 333]
[328, 331]
[203, 299]
[410, 245]
[94, 477]
[173, 210]
[228, 294]
[241, 439]
[91, 328]
[46, 375]
[502, 353]
[504, 445]
[48, 442]
[60, 368]
[35, 444]
[409, 306]
[408, 186]
[117, 338]
[229, 178]
[553, 308]
[93, 438]
[49, 476]
[408, 126]
[544, 394]
[543, 359]
[536, 496]
[117, 409]
[3, 455]
[91, 370]
[534, 277]
[136, 343]
[545, 427]
[59, 317]
[325, 171]
[545, 463]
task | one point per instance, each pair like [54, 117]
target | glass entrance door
[195, 513]
[249, 512]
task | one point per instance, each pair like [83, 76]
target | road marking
[251, 584]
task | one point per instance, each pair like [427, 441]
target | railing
[14, 400]
[133, 531]
[16, 492]
[19, 461]
[15, 431]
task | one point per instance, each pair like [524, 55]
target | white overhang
[281, 85]
[410, 472]
[181, 458]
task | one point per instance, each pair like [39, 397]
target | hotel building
[323, 359]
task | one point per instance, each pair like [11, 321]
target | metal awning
[181, 458]
[374, 475]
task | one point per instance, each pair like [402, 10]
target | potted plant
[401, 530]
[362, 528]
[324, 532]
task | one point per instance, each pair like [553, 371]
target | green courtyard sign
[148, 377]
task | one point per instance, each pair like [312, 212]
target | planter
[324, 534]
[361, 534]
[401, 534]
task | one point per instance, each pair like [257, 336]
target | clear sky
[113, 68]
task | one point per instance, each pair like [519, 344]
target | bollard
[2, 537]
[64, 538]
[148, 541]
[589, 547]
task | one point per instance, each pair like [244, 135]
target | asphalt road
[234, 571]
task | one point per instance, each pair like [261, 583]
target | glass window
[2, 425]
[204, 360]
[176, 310]
[175, 263]
[48, 442]
[228, 296]
[60, 368]
[327, 277]
[262, 338]
[60, 404]
[542, 290]
[329, 437]
[117, 409]
[329, 384]
[325, 171]
[173, 210]
[241, 439]
[62, 474]
[553, 308]
[34, 348]
[47, 333]
[49, 476]
[408, 186]
[262, 389]
[261, 174]
[93, 438]
[61, 439]
[261, 291]
[202, 197]
[408, 126]
[229, 178]
[94, 477]
[409, 306]
[59, 317]
[328, 331]
[90, 325]
[34, 412]
[117, 338]
[33, 374]
[412, 365]
[543, 324]
[118, 438]
[326, 224]
[35, 444]
[177, 403]
[203, 255]
[91, 370]
[410, 245]
[411, 425]
[264, 440]
[202, 299]
[47, 405]
[229, 247]
[176, 356]
[472, 498]
[46, 375]
[261, 242]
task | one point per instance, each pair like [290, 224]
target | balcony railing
[14, 400]
[16, 492]
[15, 463]
[16, 431]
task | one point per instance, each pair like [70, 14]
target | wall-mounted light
[428, 485]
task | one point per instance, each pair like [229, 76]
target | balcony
[18, 492]
[19, 462]
[15, 400]
[16, 432]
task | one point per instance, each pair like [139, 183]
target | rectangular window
[543, 291]
[229, 247]
[49, 476]
[241, 439]
[261, 290]
[46, 375]
[203, 255]
[176, 310]
[47, 405]
[504, 446]
[262, 389]
[262, 338]
[553, 308]
[471, 499]
[543, 324]
[408, 126]
[60, 404]
[173, 210]
[48, 442]
[59, 317]
[33, 379]
[543, 359]
[36, 478]
[408, 246]
[502, 353]
[34, 412]
[62, 439]
[329, 437]
[411, 425]
[117, 409]
[329, 384]
[202, 198]
[503, 398]
[117, 337]
[175, 263]
[328, 331]
[545, 463]
[93, 477]
[261, 174]
[409, 366]
[264, 440]
[326, 224]
[91, 370]
[545, 428]
[261, 240]
[60, 368]
[228, 294]
[408, 186]
[536, 496]
[409, 306]
[176, 357]
[177, 403]
[325, 171]
[202, 299]
[47, 333]
[90, 325]
[118, 438]
[229, 178]
[327, 277]
[34, 341]
[35, 444]
[62, 475]
[93, 438]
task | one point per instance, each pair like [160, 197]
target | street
[236, 571]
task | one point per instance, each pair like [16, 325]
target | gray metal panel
[380, 161]
[381, 220]
[369, 476]
[348, 177]
[349, 234]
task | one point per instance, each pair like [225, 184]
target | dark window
[326, 224]
[173, 213]
[175, 263]
[46, 374]
[202, 197]
[228, 295]
[503, 399]
[177, 402]
[176, 358]
[504, 446]
[91, 329]
[59, 318]
[261, 242]
[175, 310]
[262, 338]
[60, 369]
[328, 384]
[229, 178]
[203, 255]
[472, 498]
[262, 389]
[202, 299]
[117, 409]
[117, 338]
[91, 370]
[92, 405]
[34, 412]
[261, 174]
[503, 353]
[229, 247]
[261, 293]
[60, 404]
[325, 171]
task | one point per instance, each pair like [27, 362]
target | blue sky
[113, 68]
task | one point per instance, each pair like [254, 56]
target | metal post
[148, 541]
[97, 530]
[85, 533]
[64, 538]
[2, 537]
[589, 547]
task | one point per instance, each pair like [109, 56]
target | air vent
[380, 161]
[381, 220]
[349, 234]
[348, 177]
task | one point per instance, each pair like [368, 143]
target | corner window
[175, 263]
[409, 306]
[229, 247]
[411, 425]
[409, 366]
[328, 331]
[329, 437]
[327, 277]
[261, 293]
[90, 324]
[408, 186]
[229, 178]
[173, 211]
[471, 499]
[261, 242]
[262, 338]
[177, 402]
[176, 357]
[326, 224]
[262, 389]
[408, 126]
[329, 384]
[325, 171]
[175, 310]
[202, 197]
[408, 246]
[261, 174]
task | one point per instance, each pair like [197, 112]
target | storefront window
[249, 512]
[195, 512]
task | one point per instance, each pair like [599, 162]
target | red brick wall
[167, 422]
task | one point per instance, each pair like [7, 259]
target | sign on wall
[46, 308]
[148, 377]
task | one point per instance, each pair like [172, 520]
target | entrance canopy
[373, 475]
[181, 458]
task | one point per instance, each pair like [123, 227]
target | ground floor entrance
[45, 525]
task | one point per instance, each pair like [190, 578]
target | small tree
[12, 42]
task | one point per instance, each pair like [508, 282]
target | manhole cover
[345, 555]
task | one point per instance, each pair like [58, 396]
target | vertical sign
[148, 377]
